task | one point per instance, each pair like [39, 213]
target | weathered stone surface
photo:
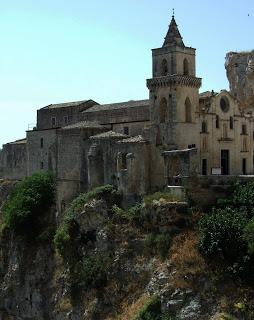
[240, 73]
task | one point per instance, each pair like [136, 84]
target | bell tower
[174, 91]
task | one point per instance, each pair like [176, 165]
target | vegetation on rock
[24, 210]
[226, 233]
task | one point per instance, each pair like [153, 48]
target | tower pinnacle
[173, 36]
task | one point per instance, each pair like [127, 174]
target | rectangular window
[244, 129]
[204, 167]
[66, 120]
[53, 121]
[244, 165]
[42, 143]
[126, 130]
[42, 165]
[217, 122]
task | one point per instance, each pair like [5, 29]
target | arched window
[188, 117]
[164, 67]
[163, 110]
[185, 67]
[204, 127]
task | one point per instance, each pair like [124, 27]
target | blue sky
[56, 51]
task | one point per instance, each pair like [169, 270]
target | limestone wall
[41, 150]
[13, 159]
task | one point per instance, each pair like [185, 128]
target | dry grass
[131, 311]
[186, 260]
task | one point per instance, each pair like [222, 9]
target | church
[139, 146]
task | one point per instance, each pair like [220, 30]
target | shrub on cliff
[220, 233]
[68, 238]
[27, 204]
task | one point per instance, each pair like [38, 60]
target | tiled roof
[109, 134]
[21, 141]
[207, 94]
[136, 139]
[83, 124]
[68, 104]
[120, 105]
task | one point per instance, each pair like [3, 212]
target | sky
[54, 51]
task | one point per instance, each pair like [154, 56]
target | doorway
[225, 162]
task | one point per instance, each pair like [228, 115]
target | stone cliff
[110, 263]
[240, 73]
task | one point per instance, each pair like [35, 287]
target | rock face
[240, 73]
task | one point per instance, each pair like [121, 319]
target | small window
[231, 123]
[126, 130]
[188, 110]
[42, 165]
[253, 135]
[204, 127]
[164, 67]
[53, 121]
[204, 167]
[66, 120]
[163, 110]
[244, 129]
[124, 160]
[217, 122]
[42, 143]
[185, 67]
[244, 165]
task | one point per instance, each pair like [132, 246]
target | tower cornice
[174, 80]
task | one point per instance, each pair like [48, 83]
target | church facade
[139, 146]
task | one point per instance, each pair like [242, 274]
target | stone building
[140, 146]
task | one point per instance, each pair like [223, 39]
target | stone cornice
[174, 80]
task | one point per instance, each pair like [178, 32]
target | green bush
[136, 214]
[158, 244]
[249, 236]
[89, 273]
[241, 197]
[221, 233]
[152, 311]
[24, 210]
[68, 238]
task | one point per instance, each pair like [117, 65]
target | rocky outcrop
[35, 283]
[240, 73]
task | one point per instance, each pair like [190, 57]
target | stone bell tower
[174, 94]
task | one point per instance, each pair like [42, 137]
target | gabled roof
[109, 135]
[120, 105]
[83, 124]
[69, 104]
[173, 36]
[20, 141]
[135, 139]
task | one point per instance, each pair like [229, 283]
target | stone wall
[14, 160]
[110, 115]
[59, 112]
[41, 150]
[72, 166]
